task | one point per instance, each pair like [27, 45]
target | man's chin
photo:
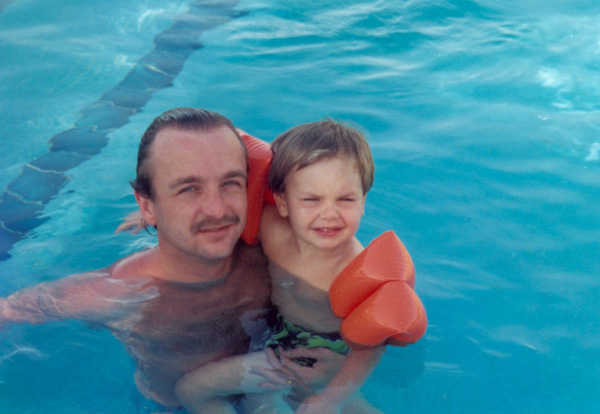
[218, 246]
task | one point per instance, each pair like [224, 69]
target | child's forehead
[325, 161]
[326, 169]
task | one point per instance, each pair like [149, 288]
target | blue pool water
[484, 120]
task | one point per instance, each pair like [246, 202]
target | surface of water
[483, 121]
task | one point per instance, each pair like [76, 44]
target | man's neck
[178, 267]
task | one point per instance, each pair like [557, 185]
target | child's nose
[329, 211]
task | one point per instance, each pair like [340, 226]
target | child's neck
[332, 259]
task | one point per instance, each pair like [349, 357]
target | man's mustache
[211, 223]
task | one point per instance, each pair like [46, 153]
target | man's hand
[133, 223]
[285, 373]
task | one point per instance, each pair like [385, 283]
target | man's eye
[233, 183]
[188, 189]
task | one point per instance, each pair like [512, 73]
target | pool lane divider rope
[24, 198]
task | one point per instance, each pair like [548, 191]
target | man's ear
[146, 208]
[364, 202]
[281, 204]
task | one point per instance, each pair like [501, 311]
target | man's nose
[213, 203]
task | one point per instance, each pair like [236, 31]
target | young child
[320, 175]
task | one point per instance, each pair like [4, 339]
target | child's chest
[301, 301]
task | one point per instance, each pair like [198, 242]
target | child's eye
[310, 199]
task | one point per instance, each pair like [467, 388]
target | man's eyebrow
[236, 173]
[192, 179]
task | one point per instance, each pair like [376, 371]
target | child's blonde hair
[308, 143]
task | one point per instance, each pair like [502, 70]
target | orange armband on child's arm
[259, 161]
[375, 296]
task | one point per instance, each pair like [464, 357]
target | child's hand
[316, 404]
[133, 223]
[277, 376]
[321, 372]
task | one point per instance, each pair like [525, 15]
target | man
[199, 295]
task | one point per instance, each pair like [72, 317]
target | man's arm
[23, 306]
[94, 296]
[3, 312]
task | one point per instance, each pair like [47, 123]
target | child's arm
[357, 367]
[203, 389]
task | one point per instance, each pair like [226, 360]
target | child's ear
[146, 208]
[281, 204]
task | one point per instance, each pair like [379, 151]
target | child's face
[324, 202]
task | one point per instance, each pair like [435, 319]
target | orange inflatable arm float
[374, 295]
[259, 162]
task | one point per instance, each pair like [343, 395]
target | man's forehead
[196, 145]
[172, 139]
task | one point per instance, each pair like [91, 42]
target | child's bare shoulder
[275, 231]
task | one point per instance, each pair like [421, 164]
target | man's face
[199, 192]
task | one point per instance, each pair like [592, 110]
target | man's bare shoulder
[140, 264]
